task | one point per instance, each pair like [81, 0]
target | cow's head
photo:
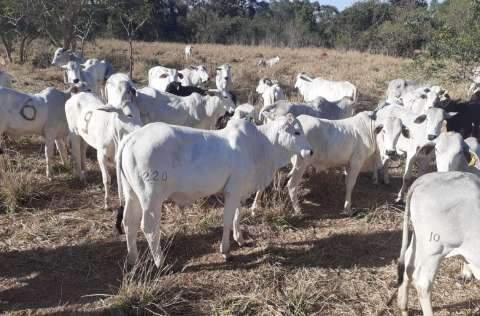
[72, 69]
[227, 100]
[388, 134]
[263, 84]
[60, 57]
[434, 118]
[202, 73]
[292, 137]
[451, 152]
[302, 81]
[223, 76]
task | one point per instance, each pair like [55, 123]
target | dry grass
[60, 255]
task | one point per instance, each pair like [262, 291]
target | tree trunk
[131, 56]
[21, 51]
[8, 48]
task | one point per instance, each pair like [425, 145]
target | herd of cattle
[163, 142]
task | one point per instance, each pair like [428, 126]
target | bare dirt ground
[59, 253]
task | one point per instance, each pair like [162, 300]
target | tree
[132, 14]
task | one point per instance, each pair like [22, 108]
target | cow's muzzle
[391, 153]
[306, 153]
[432, 137]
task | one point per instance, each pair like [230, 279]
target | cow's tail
[120, 177]
[401, 259]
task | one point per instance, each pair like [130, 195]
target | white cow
[194, 76]
[93, 72]
[319, 107]
[475, 77]
[223, 78]
[36, 114]
[445, 215]
[159, 77]
[194, 110]
[269, 62]
[331, 90]
[161, 162]
[5, 79]
[420, 129]
[270, 91]
[346, 143]
[102, 127]
[188, 52]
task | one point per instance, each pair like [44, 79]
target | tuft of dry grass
[17, 187]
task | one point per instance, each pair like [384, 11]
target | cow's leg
[237, 232]
[423, 277]
[102, 161]
[132, 216]
[352, 173]
[375, 174]
[150, 223]
[256, 202]
[62, 150]
[49, 145]
[386, 175]
[83, 153]
[407, 174]
[232, 203]
[76, 143]
[292, 185]
[402, 296]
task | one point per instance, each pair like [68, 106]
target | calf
[194, 110]
[445, 215]
[331, 90]
[194, 75]
[102, 127]
[36, 114]
[349, 142]
[159, 77]
[177, 88]
[161, 162]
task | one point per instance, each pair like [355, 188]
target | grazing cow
[270, 91]
[194, 110]
[319, 107]
[331, 90]
[177, 88]
[93, 72]
[188, 52]
[120, 90]
[467, 121]
[269, 62]
[336, 143]
[444, 208]
[159, 77]
[102, 127]
[161, 162]
[194, 75]
[36, 114]
[5, 79]
[419, 129]
[223, 78]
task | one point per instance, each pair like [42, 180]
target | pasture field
[59, 253]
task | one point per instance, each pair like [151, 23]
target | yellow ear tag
[473, 162]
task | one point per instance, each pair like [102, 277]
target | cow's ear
[378, 129]
[405, 131]
[427, 148]
[420, 119]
